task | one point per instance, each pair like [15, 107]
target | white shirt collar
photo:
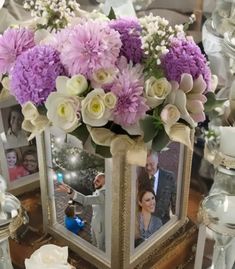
[156, 176]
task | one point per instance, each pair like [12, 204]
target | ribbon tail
[137, 155]
[101, 136]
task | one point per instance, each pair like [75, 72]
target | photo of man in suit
[97, 201]
[164, 185]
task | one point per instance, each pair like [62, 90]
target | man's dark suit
[166, 193]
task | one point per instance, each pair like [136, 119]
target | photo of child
[12, 120]
[15, 169]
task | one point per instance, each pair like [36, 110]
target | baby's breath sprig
[156, 36]
[191, 21]
[212, 138]
[52, 14]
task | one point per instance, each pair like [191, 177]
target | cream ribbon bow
[5, 93]
[135, 149]
[33, 122]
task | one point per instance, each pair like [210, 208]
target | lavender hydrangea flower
[130, 31]
[34, 74]
[185, 56]
[12, 43]
[128, 87]
[91, 45]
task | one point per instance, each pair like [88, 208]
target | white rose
[62, 111]
[48, 256]
[94, 110]
[103, 76]
[170, 115]
[71, 86]
[29, 111]
[76, 85]
[110, 100]
[156, 91]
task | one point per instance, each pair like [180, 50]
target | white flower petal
[199, 85]
[61, 82]
[186, 82]
[180, 103]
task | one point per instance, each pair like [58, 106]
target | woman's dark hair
[14, 109]
[143, 181]
[142, 192]
[69, 211]
[13, 150]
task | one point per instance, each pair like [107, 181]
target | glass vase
[223, 16]
[218, 215]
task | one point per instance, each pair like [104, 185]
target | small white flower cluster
[192, 19]
[56, 10]
[156, 35]
[212, 137]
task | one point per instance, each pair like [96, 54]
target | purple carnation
[90, 46]
[12, 43]
[128, 87]
[130, 31]
[34, 74]
[185, 56]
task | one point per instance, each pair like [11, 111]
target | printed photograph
[79, 188]
[12, 119]
[156, 188]
[21, 162]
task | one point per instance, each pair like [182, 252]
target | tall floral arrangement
[141, 79]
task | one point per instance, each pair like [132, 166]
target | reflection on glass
[217, 216]
[156, 192]
[79, 184]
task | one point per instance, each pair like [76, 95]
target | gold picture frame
[119, 254]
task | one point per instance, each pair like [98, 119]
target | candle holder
[10, 220]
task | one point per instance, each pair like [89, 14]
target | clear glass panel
[223, 16]
[81, 213]
[157, 193]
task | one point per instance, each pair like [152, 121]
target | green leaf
[103, 151]
[150, 126]
[112, 15]
[42, 109]
[212, 102]
[81, 133]
[160, 141]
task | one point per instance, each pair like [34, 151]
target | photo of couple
[156, 196]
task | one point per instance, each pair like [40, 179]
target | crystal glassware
[218, 215]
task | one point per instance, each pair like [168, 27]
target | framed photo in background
[19, 160]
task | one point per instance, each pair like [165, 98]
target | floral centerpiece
[105, 78]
